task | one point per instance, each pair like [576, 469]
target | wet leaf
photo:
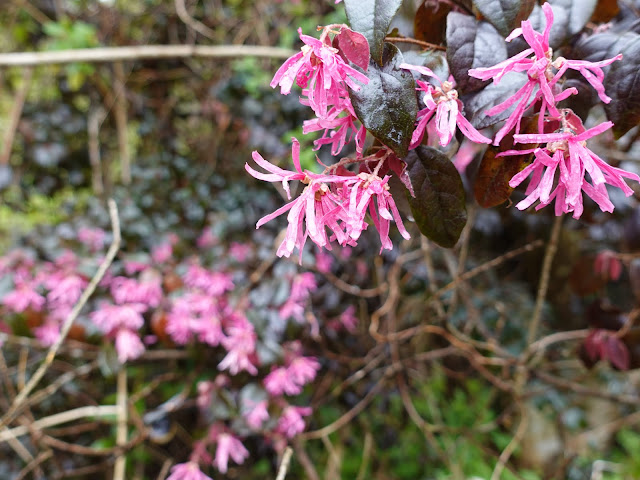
[387, 105]
[439, 205]
[622, 84]
[472, 44]
[505, 15]
[372, 18]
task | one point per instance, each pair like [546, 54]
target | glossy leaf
[622, 84]
[387, 105]
[476, 104]
[505, 15]
[572, 15]
[372, 18]
[439, 205]
[472, 44]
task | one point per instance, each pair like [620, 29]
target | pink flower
[542, 72]
[240, 344]
[128, 345]
[320, 70]
[128, 290]
[229, 447]
[47, 333]
[240, 252]
[111, 317]
[567, 153]
[368, 191]
[279, 382]
[303, 370]
[257, 415]
[291, 423]
[93, 238]
[213, 283]
[23, 297]
[443, 101]
[187, 471]
[324, 261]
[67, 291]
[195, 314]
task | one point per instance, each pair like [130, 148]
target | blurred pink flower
[93, 238]
[67, 291]
[195, 314]
[129, 290]
[111, 317]
[187, 471]
[279, 382]
[24, 296]
[213, 283]
[303, 369]
[128, 345]
[257, 415]
[47, 333]
[290, 422]
[607, 265]
[240, 344]
[240, 252]
[229, 447]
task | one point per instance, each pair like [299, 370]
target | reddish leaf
[584, 279]
[592, 345]
[617, 353]
[354, 47]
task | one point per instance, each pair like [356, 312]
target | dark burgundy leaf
[634, 277]
[476, 104]
[617, 353]
[439, 205]
[605, 316]
[354, 47]
[622, 84]
[505, 15]
[592, 345]
[491, 187]
[472, 44]
[430, 21]
[372, 18]
[387, 105]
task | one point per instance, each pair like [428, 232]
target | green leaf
[387, 105]
[372, 18]
[439, 206]
[505, 15]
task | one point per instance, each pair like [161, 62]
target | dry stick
[121, 433]
[284, 465]
[115, 54]
[58, 418]
[34, 464]
[199, 27]
[120, 111]
[543, 286]
[14, 119]
[95, 119]
[66, 326]
[513, 444]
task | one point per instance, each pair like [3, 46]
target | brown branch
[414, 41]
[14, 117]
[199, 27]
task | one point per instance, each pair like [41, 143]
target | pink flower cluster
[324, 77]
[337, 202]
[560, 167]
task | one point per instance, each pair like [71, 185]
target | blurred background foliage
[168, 140]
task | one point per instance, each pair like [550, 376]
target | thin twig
[284, 465]
[545, 275]
[199, 27]
[415, 41]
[140, 52]
[58, 418]
[66, 326]
[513, 444]
[14, 118]
[120, 114]
[121, 433]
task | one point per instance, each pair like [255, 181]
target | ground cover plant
[163, 315]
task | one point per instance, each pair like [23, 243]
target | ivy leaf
[505, 15]
[622, 84]
[472, 44]
[372, 18]
[439, 205]
[387, 105]
[477, 103]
